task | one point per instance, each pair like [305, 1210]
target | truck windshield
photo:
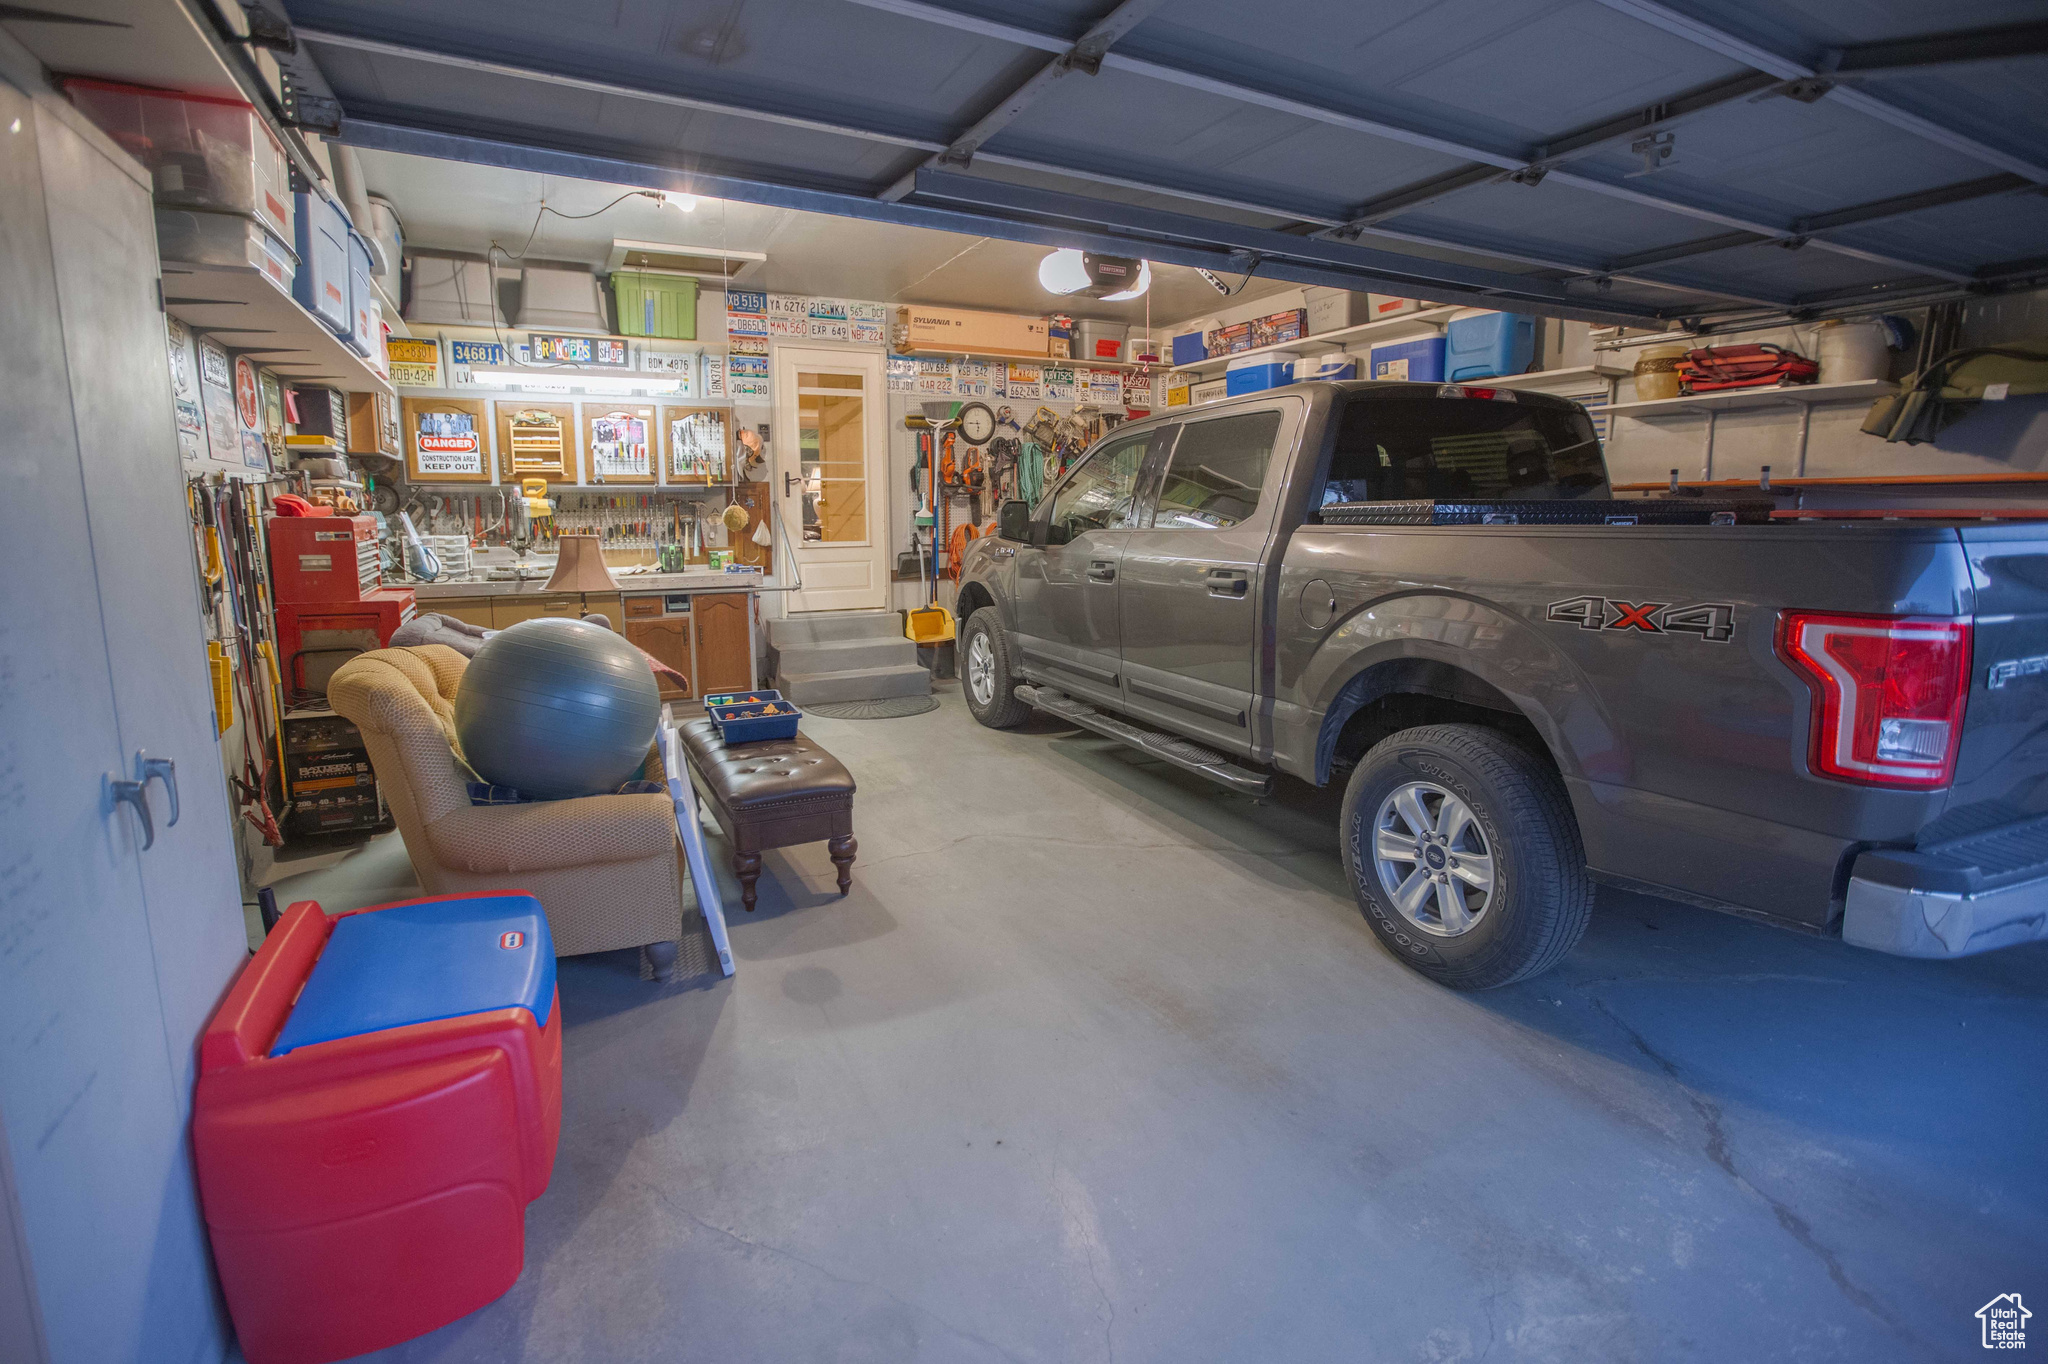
[1463, 449]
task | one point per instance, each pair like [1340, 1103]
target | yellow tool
[221, 670]
[284, 780]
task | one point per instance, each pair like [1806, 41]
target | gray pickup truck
[1429, 593]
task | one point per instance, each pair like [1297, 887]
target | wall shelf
[240, 308]
[1862, 390]
[1805, 397]
[1428, 322]
[1857, 481]
[1546, 379]
[930, 353]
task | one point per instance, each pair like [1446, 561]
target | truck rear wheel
[1464, 856]
[986, 675]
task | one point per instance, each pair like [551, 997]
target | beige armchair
[606, 869]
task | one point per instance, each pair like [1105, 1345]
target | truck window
[1100, 494]
[1455, 450]
[1217, 469]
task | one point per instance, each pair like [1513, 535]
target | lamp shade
[580, 567]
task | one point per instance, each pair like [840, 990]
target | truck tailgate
[2002, 768]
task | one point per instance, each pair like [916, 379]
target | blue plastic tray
[746, 722]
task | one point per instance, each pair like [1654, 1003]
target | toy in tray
[747, 722]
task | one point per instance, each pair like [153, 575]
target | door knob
[116, 792]
[164, 770]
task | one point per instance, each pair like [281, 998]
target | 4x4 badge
[1713, 621]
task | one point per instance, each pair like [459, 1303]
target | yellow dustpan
[928, 624]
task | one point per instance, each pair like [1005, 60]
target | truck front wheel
[986, 673]
[1464, 856]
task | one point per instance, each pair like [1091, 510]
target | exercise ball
[557, 708]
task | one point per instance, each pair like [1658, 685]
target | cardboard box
[1230, 340]
[957, 329]
[1278, 328]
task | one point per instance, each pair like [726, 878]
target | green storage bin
[656, 305]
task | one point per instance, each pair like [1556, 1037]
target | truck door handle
[164, 770]
[1228, 582]
[116, 792]
[1102, 571]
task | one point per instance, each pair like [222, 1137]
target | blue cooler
[1419, 362]
[1337, 366]
[1486, 344]
[1189, 348]
[1257, 373]
[322, 283]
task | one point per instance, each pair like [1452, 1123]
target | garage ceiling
[1610, 159]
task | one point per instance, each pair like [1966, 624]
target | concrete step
[840, 655]
[855, 684]
[826, 627]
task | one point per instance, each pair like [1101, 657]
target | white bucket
[1851, 352]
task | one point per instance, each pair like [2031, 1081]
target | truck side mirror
[1013, 520]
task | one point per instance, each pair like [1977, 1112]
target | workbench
[699, 623]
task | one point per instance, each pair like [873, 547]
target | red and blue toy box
[380, 1096]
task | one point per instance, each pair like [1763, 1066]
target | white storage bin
[1149, 349]
[1332, 310]
[1209, 391]
[203, 151]
[192, 237]
[453, 291]
[563, 296]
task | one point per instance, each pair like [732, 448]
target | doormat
[885, 708]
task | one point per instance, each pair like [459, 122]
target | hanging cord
[491, 257]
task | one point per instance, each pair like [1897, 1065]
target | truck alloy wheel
[989, 680]
[1464, 855]
[1432, 858]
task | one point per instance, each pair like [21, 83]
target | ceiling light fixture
[683, 203]
[1109, 278]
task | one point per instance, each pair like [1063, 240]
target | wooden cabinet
[724, 651]
[754, 497]
[469, 610]
[513, 609]
[668, 639]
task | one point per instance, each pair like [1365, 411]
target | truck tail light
[1888, 693]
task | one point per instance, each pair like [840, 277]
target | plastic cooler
[1257, 373]
[1417, 361]
[380, 1097]
[1482, 345]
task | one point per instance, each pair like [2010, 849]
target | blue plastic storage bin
[322, 283]
[1416, 361]
[359, 295]
[749, 722]
[1257, 373]
[738, 698]
[1489, 344]
[1189, 347]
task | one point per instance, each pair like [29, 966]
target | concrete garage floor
[1099, 1062]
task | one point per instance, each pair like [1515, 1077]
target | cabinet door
[469, 610]
[112, 954]
[668, 639]
[724, 653]
[511, 610]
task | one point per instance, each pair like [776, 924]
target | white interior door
[830, 446]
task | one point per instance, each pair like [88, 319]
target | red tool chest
[314, 638]
[379, 1098]
[324, 558]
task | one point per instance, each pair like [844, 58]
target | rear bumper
[1952, 899]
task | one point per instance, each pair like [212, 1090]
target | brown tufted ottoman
[774, 794]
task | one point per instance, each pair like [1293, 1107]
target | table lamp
[579, 568]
